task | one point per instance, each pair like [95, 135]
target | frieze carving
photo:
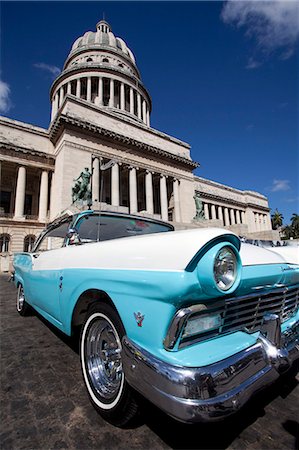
[64, 120]
[27, 154]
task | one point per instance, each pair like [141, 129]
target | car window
[115, 227]
[53, 239]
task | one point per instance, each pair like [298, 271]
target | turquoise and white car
[190, 319]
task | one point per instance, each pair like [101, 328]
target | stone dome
[103, 37]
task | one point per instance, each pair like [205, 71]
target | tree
[295, 225]
[276, 219]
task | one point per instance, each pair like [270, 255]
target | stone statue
[200, 215]
[81, 189]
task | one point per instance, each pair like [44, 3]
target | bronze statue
[81, 189]
[200, 215]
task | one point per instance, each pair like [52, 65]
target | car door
[45, 274]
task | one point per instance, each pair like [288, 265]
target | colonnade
[103, 91]
[20, 195]
[163, 189]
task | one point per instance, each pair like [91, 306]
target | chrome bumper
[208, 393]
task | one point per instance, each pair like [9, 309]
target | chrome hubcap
[20, 298]
[103, 359]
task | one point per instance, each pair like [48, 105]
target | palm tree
[295, 225]
[276, 219]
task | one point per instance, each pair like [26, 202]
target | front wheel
[100, 353]
[22, 306]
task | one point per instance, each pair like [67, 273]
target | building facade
[100, 114]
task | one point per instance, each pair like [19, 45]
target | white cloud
[253, 64]
[54, 70]
[5, 103]
[273, 24]
[280, 185]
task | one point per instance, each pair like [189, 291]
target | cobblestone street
[44, 404]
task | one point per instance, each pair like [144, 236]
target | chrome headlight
[201, 324]
[225, 268]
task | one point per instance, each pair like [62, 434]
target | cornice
[63, 121]
[217, 198]
[230, 189]
[7, 149]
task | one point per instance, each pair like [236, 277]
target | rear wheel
[22, 307]
[100, 352]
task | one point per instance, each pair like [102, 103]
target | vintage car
[190, 319]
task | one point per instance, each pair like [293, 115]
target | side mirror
[73, 237]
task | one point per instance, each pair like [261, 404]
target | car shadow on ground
[216, 435]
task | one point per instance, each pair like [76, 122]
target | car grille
[246, 313]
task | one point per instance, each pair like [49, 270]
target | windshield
[113, 227]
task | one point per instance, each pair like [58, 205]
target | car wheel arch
[84, 303]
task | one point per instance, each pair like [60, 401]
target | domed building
[100, 120]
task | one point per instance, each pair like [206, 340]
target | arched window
[29, 242]
[4, 243]
[89, 60]
[106, 60]
[121, 65]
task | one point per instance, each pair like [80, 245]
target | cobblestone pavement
[44, 404]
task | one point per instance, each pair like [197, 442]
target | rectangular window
[5, 198]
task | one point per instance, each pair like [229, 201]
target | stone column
[238, 216]
[133, 189]
[111, 98]
[163, 198]
[100, 92]
[220, 214]
[88, 95]
[144, 111]
[149, 198]
[213, 211]
[232, 217]
[69, 88]
[122, 96]
[148, 118]
[115, 185]
[20, 193]
[176, 200]
[138, 106]
[60, 96]
[54, 106]
[206, 210]
[243, 217]
[131, 101]
[256, 221]
[226, 217]
[78, 88]
[96, 180]
[43, 197]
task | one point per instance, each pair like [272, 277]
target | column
[88, 96]
[69, 88]
[54, 107]
[138, 106]
[238, 216]
[147, 118]
[61, 96]
[256, 221]
[115, 185]
[20, 193]
[213, 211]
[149, 198]
[122, 96]
[176, 200]
[96, 180]
[206, 210]
[232, 217]
[100, 93]
[133, 189]
[163, 198]
[131, 101]
[226, 217]
[111, 98]
[242, 216]
[144, 111]
[220, 214]
[78, 88]
[43, 197]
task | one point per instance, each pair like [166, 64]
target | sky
[223, 77]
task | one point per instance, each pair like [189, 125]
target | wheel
[22, 306]
[100, 353]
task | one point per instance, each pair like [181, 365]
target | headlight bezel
[220, 263]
